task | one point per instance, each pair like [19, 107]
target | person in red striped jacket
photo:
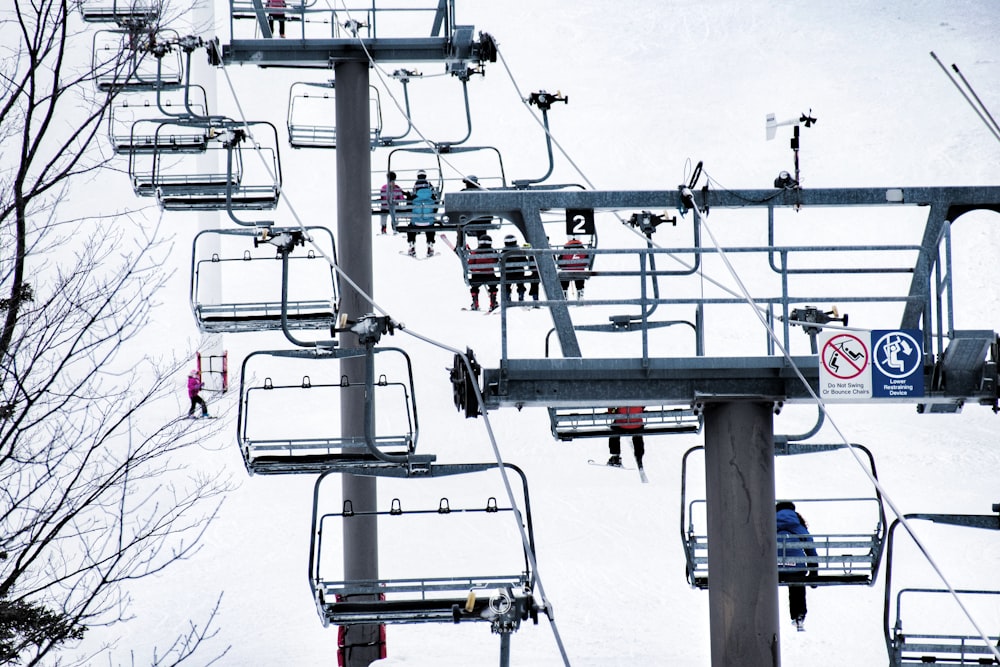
[483, 263]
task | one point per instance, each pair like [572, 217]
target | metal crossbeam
[574, 382]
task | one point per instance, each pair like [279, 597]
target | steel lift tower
[738, 395]
[353, 39]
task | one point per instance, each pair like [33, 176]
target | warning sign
[897, 363]
[845, 366]
[862, 365]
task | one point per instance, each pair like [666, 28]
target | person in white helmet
[521, 270]
[483, 264]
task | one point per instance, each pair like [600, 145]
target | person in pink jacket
[194, 387]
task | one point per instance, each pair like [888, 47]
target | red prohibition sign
[845, 356]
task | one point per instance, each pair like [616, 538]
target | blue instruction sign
[897, 363]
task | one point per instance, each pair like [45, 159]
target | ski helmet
[510, 241]
[486, 241]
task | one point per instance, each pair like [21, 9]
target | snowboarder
[194, 387]
[628, 421]
[792, 564]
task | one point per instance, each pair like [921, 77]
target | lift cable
[590, 184]
[689, 197]
[479, 397]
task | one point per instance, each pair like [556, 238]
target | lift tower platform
[902, 289]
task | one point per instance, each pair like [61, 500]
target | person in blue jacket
[793, 565]
[424, 203]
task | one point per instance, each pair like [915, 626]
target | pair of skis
[642, 472]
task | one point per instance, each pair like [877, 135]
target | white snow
[653, 87]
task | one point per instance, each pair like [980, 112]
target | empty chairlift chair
[843, 557]
[136, 60]
[265, 279]
[288, 420]
[134, 124]
[936, 630]
[439, 562]
[247, 178]
[312, 110]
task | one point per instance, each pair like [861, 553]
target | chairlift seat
[841, 559]
[210, 196]
[301, 457]
[432, 600]
[921, 650]
[597, 422]
[264, 316]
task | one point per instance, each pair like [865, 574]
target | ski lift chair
[121, 59]
[842, 558]
[269, 306]
[470, 592]
[447, 167]
[312, 108]
[120, 11]
[285, 425]
[597, 422]
[136, 115]
[918, 649]
[251, 180]
[927, 637]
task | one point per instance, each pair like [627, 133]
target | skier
[194, 387]
[424, 207]
[391, 195]
[520, 270]
[573, 260]
[483, 271]
[278, 16]
[628, 421]
[792, 565]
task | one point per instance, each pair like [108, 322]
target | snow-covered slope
[653, 87]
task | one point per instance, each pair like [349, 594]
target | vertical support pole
[211, 344]
[742, 548]
[505, 649]
[354, 251]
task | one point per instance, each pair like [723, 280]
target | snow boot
[615, 461]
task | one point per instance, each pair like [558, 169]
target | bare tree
[94, 490]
